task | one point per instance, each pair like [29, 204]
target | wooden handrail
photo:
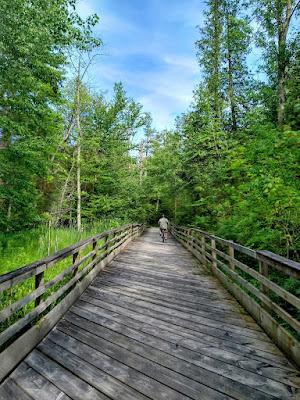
[278, 320]
[68, 281]
[26, 271]
[285, 265]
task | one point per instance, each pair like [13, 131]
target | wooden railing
[249, 276]
[35, 297]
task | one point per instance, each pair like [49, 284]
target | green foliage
[110, 175]
[33, 43]
[238, 180]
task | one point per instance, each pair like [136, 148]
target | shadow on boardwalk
[154, 325]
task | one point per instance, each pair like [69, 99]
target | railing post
[94, 248]
[39, 282]
[105, 242]
[263, 270]
[75, 259]
[203, 250]
[231, 254]
[214, 254]
[189, 241]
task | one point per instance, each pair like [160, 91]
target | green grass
[19, 249]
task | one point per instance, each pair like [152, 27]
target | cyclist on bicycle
[163, 225]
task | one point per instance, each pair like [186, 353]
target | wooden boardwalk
[154, 325]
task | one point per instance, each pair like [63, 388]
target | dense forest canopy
[70, 157]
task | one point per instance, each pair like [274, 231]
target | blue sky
[149, 46]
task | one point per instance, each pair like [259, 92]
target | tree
[33, 45]
[210, 56]
[33, 38]
[275, 17]
[235, 45]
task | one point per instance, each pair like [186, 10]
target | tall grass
[19, 249]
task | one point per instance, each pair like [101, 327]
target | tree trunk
[141, 160]
[59, 209]
[216, 76]
[78, 163]
[157, 204]
[283, 23]
[231, 94]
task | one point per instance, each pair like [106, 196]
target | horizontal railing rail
[248, 274]
[38, 294]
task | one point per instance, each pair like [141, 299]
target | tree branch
[294, 9]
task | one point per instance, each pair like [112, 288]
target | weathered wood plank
[187, 315]
[129, 317]
[127, 337]
[171, 333]
[202, 310]
[9, 390]
[62, 378]
[130, 369]
[195, 373]
[86, 371]
[36, 385]
[224, 332]
[171, 296]
[197, 295]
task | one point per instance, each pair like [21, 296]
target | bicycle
[164, 234]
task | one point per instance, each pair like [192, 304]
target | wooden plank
[277, 369]
[196, 373]
[171, 295]
[9, 390]
[145, 345]
[36, 385]
[130, 369]
[165, 321]
[195, 280]
[62, 378]
[220, 296]
[86, 371]
[187, 315]
[202, 310]
[172, 335]
[150, 367]
[230, 332]
[198, 290]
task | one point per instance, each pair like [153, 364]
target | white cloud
[164, 93]
[181, 61]
[166, 89]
